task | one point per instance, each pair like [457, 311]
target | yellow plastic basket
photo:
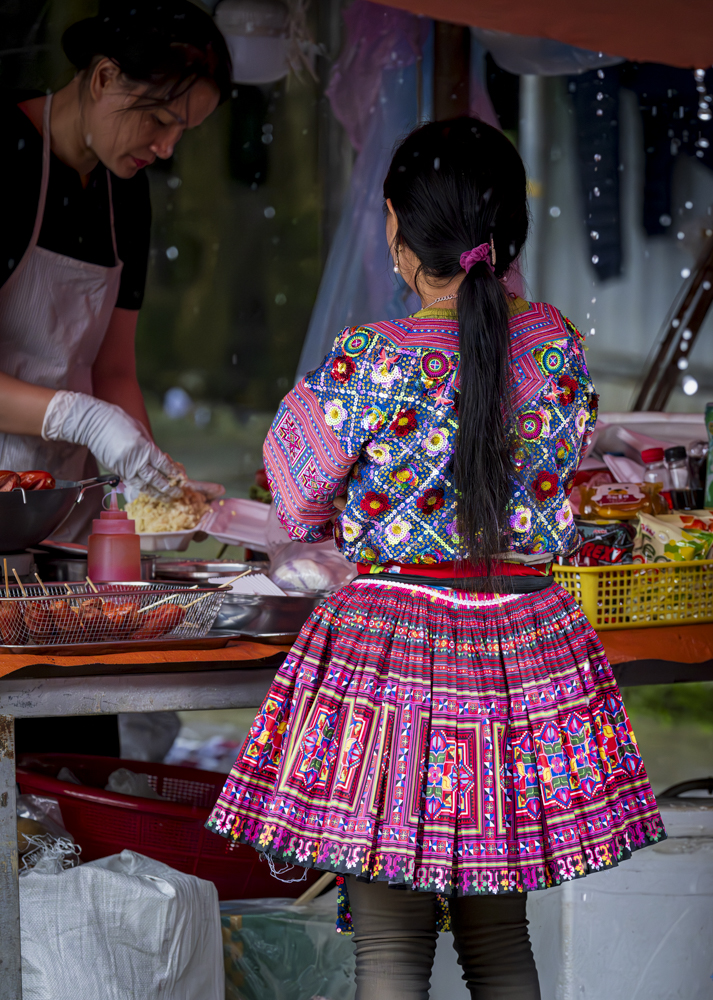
[641, 595]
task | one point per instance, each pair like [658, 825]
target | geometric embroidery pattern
[421, 739]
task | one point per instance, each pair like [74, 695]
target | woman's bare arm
[22, 406]
[114, 371]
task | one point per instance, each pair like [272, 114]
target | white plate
[169, 541]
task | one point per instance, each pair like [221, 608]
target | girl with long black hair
[447, 725]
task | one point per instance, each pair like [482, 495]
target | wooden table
[236, 677]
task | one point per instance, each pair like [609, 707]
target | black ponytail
[168, 44]
[455, 185]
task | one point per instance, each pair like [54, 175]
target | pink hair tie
[476, 255]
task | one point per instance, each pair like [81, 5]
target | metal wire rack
[73, 613]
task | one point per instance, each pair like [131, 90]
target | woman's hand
[115, 439]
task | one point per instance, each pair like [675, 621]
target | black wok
[29, 516]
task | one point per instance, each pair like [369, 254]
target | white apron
[54, 313]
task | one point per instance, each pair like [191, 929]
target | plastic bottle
[677, 465]
[114, 547]
[655, 471]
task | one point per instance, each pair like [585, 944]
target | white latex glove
[116, 440]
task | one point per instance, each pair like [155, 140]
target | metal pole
[10, 960]
[531, 143]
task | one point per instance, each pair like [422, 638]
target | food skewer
[11, 621]
[164, 600]
[19, 582]
[45, 591]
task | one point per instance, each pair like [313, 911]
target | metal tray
[202, 569]
[214, 640]
[268, 618]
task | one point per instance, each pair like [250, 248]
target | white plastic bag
[118, 928]
[126, 782]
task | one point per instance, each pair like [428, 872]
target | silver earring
[397, 265]
[492, 251]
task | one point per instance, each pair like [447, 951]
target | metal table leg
[10, 962]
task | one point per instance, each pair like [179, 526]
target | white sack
[121, 928]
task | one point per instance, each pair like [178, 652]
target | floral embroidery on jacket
[380, 415]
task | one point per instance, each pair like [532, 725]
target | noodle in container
[168, 525]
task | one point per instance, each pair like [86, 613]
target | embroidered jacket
[380, 414]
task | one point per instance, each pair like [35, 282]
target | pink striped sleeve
[307, 462]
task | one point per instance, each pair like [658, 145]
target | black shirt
[76, 221]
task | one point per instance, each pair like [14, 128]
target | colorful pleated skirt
[447, 741]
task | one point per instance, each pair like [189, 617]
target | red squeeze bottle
[114, 547]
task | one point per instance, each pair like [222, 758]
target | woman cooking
[75, 240]
[73, 256]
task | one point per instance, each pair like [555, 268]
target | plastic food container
[170, 541]
[105, 823]
[641, 595]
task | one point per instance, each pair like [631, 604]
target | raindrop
[599, 112]
[172, 253]
[700, 75]
[235, 359]
[592, 332]
[595, 259]
[555, 212]
[690, 385]
[437, 163]
[689, 204]
[707, 286]
[280, 299]
[269, 212]
[600, 74]
[699, 152]
[705, 116]
[234, 93]
[177, 403]
[680, 236]
[597, 157]
[703, 143]
[21, 144]
[11, 263]
[588, 315]
[593, 301]
[600, 96]
[683, 345]
[202, 416]
[687, 335]
[174, 182]
[253, 186]
[675, 323]
[594, 234]
[267, 128]
[682, 364]
[665, 220]
[267, 138]
[512, 249]
[685, 272]
[597, 192]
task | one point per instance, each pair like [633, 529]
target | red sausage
[159, 621]
[8, 481]
[36, 480]
[122, 618]
[11, 624]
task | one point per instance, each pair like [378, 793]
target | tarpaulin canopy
[679, 34]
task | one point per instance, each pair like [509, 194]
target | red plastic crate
[106, 823]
